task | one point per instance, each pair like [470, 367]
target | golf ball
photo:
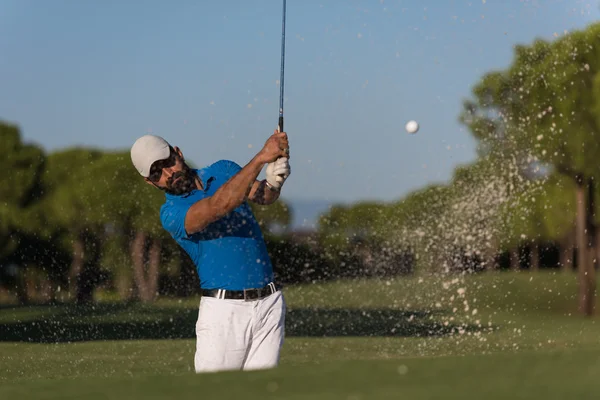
[412, 126]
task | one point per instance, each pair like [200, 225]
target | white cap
[146, 150]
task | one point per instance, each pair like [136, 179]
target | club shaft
[281, 79]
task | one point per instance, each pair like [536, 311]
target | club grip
[280, 125]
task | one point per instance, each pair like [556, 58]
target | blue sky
[204, 74]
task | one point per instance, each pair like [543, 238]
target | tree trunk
[20, 288]
[46, 290]
[89, 275]
[591, 238]
[145, 266]
[76, 265]
[535, 257]
[138, 250]
[124, 286]
[597, 252]
[515, 262]
[489, 257]
[153, 264]
[188, 276]
[586, 285]
[30, 284]
[566, 254]
[489, 261]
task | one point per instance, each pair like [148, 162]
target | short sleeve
[172, 218]
[227, 167]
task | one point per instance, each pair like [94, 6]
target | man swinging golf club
[242, 310]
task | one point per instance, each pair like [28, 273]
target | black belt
[246, 294]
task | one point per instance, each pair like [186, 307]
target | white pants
[239, 334]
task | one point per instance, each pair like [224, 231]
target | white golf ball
[412, 126]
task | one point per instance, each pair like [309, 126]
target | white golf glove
[277, 172]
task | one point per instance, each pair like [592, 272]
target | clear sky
[204, 74]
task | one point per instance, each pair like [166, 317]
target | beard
[181, 182]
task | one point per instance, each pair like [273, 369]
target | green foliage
[274, 215]
[545, 105]
[360, 219]
[543, 115]
[544, 213]
[89, 197]
[21, 166]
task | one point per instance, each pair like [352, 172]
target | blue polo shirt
[229, 253]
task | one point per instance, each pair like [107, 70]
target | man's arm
[265, 192]
[262, 194]
[236, 190]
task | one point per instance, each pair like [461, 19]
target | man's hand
[277, 172]
[276, 146]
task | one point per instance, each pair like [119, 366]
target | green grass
[412, 338]
[560, 375]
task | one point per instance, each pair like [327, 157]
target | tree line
[81, 218]
[533, 186]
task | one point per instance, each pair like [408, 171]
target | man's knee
[260, 365]
[207, 367]
[213, 362]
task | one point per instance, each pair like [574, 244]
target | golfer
[241, 315]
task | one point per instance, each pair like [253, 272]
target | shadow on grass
[364, 322]
[119, 321]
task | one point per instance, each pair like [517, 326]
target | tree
[544, 112]
[121, 203]
[64, 214]
[19, 191]
[360, 219]
[274, 217]
[149, 235]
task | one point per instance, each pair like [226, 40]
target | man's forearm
[229, 196]
[236, 190]
[263, 195]
[271, 195]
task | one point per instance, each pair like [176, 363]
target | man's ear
[179, 153]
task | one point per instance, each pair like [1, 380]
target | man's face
[172, 174]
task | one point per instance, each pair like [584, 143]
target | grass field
[492, 336]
